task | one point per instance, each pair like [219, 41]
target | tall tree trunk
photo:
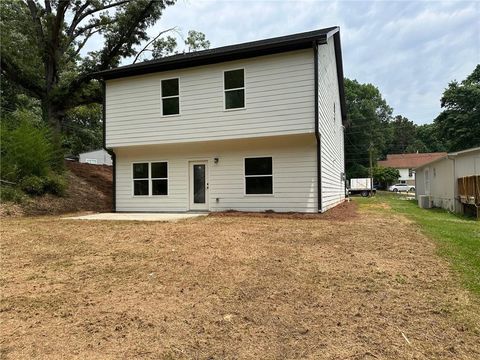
[53, 117]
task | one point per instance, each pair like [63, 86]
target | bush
[9, 193]
[55, 184]
[27, 150]
[33, 185]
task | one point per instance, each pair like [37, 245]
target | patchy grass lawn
[233, 287]
[458, 236]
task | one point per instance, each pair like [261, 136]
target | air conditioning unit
[425, 201]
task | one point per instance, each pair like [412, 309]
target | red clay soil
[344, 212]
[99, 176]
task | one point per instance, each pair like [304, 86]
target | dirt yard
[231, 287]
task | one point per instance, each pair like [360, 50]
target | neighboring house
[97, 157]
[255, 126]
[406, 163]
[439, 178]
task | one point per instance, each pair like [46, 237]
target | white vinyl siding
[294, 169]
[331, 128]
[278, 96]
[443, 177]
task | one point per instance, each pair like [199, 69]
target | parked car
[401, 187]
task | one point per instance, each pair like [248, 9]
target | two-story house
[253, 127]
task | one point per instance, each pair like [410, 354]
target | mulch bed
[345, 211]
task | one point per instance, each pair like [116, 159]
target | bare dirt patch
[230, 287]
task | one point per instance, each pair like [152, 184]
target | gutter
[317, 131]
[110, 151]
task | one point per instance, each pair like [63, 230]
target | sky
[410, 50]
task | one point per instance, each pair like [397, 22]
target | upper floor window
[234, 87]
[170, 97]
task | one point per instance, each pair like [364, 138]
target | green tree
[368, 127]
[357, 171]
[427, 139]
[196, 40]
[403, 135]
[385, 175]
[459, 123]
[164, 47]
[83, 129]
[42, 44]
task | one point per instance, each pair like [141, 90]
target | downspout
[110, 151]
[317, 132]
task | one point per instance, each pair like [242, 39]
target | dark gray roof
[226, 53]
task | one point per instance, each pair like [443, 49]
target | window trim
[244, 88]
[245, 176]
[150, 179]
[170, 97]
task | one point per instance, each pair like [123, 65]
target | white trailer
[362, 186]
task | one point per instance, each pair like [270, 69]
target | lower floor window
[150, 178]
[259, 176]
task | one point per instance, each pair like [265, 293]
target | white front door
[198, 174]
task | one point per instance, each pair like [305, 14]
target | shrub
[33, 185]
[55, 184]
[27, 150]
[9, 193]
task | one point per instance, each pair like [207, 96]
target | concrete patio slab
[137, 216]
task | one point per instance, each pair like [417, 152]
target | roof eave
[266, 48]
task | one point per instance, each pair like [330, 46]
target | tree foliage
[459, 123]
[83, 129]
[385, 175]
[368, 129]
[168, 45]
[403, 135]
[428, 136]
[27, 149]
[42, 44]
[196, 40]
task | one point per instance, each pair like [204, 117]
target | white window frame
[170, 97]
[91, 161]
[150, 179]
[244, 88]
[133, 179]
[245, 176]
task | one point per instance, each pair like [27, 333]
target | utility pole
[370, 153]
